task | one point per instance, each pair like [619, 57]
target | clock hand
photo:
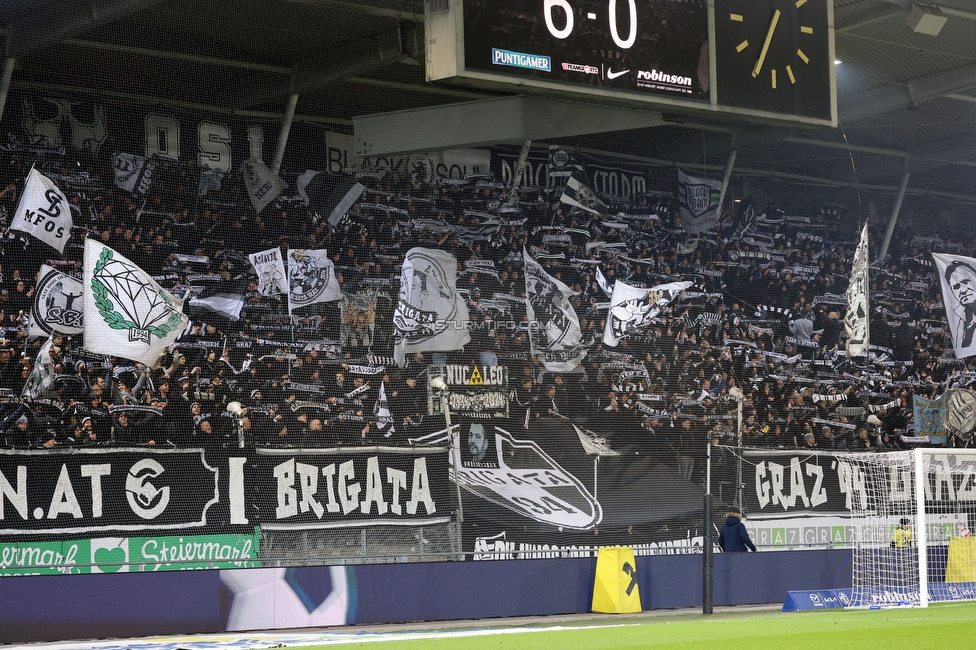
[765, 47]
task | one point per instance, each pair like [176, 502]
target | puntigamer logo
[521, 60]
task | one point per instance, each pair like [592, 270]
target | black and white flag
[311, 278]
[699, 208]
[580, 196]
[43, 212]
[59, 306]
[134, 173]
[222, 299]
[430, 315]
[857, 318]
[554, 329]
[271, 272]
[561, 164]
[127, 313]
[632, 309]
[958, 277]
[329, 195]
[263, 185]
[42, 374]
[601, 280]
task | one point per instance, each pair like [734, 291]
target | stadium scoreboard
[758, 60]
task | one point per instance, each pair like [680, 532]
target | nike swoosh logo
[613, 75]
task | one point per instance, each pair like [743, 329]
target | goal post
[911, 513]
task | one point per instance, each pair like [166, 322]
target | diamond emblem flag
[43, 212]
[699, 208]
[127, 314]
[271, 272]
[558, 336]
[311, 278]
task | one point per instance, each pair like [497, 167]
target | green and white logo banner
[130, 554]
[127, 314]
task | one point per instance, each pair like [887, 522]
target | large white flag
[271, 272]
[632, 309]
[43, 212]
[958, 277]
[127, 314]
[263, 185]
[430, 315]
[59, 306]
[554, 329]
[311, 278]
[857, 318]
[698, 207]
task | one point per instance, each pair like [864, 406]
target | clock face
[774, 55]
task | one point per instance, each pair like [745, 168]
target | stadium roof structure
[907, 101]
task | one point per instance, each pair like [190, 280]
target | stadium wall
[46, 608]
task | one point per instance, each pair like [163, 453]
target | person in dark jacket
[734, 537]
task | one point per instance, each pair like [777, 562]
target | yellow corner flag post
[615, 589]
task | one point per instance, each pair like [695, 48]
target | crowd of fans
[761, 325]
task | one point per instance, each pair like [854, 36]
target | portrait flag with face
[856, 321]
[556, 335]
[958, 277]
[430, 315]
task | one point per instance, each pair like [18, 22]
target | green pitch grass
[939, 626]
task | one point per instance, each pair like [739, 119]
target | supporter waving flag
[958, 277]
[43, 212]
[430, 315]
[127, 314]
[632, 309]
[263, 185]
[554, 326]
[58, 304]
[856, 321]
[311, 279]
[580, 196]
[271, 272]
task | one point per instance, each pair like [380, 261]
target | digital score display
[647, 47]
[766, 61]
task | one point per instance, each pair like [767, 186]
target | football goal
[911, 513]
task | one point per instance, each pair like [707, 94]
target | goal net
[911, 514]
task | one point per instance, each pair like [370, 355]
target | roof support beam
[176, 56]
[329, 67]
[509, 119]
[880, 100]
[854, 16]
[45, 24]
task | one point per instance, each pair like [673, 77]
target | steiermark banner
[130, 554]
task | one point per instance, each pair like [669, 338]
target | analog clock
[775, 56]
